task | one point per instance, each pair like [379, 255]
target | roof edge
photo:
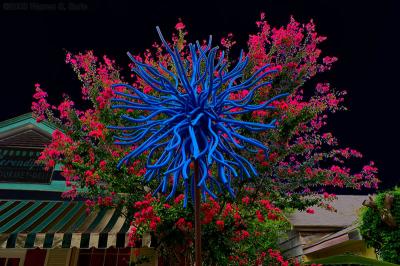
[20, 120]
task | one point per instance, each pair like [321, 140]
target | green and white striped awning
[64, 224]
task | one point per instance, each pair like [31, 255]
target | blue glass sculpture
[184, 124]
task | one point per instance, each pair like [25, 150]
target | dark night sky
[362, 35]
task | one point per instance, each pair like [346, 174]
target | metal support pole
[197, 225]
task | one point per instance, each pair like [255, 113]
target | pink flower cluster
[40, 107]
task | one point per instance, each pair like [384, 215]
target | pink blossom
[220, 224]
[329, 60]
[322, 88]
[310, 211]
[246, 200]
[65, 108]
[179, 25]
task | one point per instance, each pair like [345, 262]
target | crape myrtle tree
[304, 165]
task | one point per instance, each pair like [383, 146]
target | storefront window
[105, 257]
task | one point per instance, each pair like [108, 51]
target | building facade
[327, 233]
[37, 225]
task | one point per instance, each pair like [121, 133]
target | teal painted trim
[26, 119]
[35, 217]
[66, 218]
[15, 119]
[54, 186]
[19, 217]
[40, 227]
[27, 122]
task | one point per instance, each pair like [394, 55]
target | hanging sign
[17, 165]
